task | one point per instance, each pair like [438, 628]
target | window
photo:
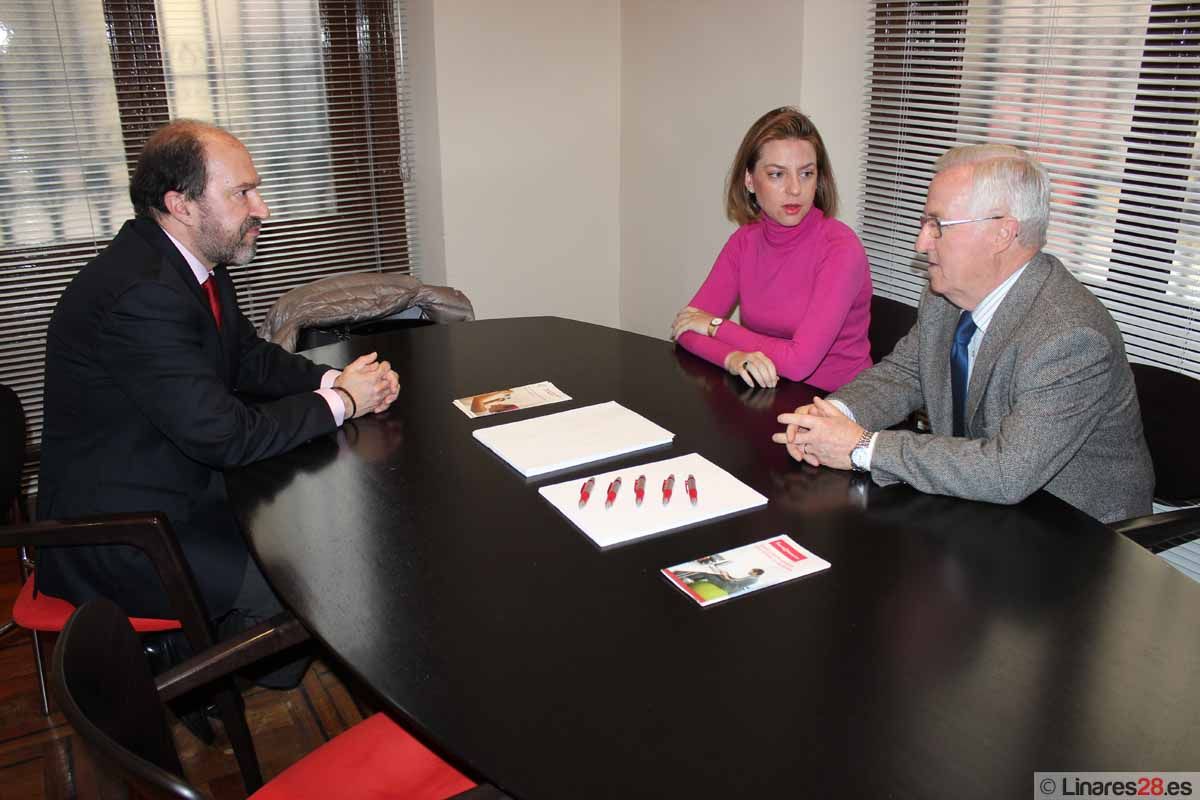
[1107, 95]
[315, 88]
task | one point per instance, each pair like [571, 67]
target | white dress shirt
[982, 316]
[337, 406]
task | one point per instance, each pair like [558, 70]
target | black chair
[107, 693]
[12, 459]
[1168, 401]
[12, 454]
[317, 336]
[890, 321]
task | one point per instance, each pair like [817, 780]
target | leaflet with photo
[745, 569]
[501, 400]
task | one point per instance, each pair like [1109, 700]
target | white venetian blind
[315, 88]
[1106, 94]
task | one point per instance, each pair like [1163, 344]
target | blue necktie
[958, 368]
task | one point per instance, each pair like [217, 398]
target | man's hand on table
[373, 384]
[819, 434]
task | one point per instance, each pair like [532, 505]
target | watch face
[716, 321]
[857, 456]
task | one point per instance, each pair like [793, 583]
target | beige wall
[571, 155]
[526, 95]
[427, 149]
[691, 84]
[831, 90]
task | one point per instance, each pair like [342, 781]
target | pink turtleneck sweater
[805, 298]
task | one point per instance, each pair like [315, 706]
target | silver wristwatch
[858, 455]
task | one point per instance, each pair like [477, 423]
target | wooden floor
[41, 758]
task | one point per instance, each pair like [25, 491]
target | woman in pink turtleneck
[799, 276]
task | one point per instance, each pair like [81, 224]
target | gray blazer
[1051, 403]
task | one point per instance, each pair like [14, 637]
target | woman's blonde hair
[780, 123]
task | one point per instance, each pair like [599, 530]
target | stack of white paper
[717, 493]
[579, 436]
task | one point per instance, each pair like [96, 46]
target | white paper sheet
[718, 493]
[568, 438]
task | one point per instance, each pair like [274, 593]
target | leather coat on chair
[358, 297]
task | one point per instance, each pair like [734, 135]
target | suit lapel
[1013, 309]
[940, 404]
[154, 234]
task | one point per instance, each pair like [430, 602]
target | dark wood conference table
[953, 649]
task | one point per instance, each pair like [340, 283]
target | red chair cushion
[46, 613]
[375, 759]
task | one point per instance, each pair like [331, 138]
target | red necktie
[214, 302]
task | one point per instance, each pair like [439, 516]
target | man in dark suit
[147, 355]
[1021, 369]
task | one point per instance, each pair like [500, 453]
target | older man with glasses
[1021, 369]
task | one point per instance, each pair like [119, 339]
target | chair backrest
[12, 449]
[316, 336]
[107, 693]
[1169, 401]
[890, 321]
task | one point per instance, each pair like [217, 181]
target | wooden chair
[1168, 401]
[150, 533]
[106, 691]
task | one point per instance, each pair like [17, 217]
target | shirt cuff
[329, 377]
[842, 407]
[337, 406]
[870, 452]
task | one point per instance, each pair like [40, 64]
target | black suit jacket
[142, 414]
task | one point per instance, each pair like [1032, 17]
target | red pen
[639, 489]
[586, 491]
[690, 485]
[613, 488]
[668, 486]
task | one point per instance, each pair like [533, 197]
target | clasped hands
[373, 384]
[819, 434]
[756, 368]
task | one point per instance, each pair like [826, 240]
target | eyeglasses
[938, 224]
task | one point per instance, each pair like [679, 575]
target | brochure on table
[742, 570]
[717, 494]
[569, 438]
[515, 399]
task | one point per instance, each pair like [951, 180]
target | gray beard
[237, 252]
